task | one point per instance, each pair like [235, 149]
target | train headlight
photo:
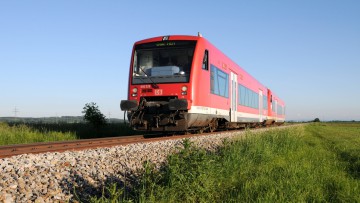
[183, 90]
[134, 94]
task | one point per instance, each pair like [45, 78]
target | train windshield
[163, 62]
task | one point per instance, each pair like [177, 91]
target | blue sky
[55, 56]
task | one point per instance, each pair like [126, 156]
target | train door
[269, 103]
[275, 113]
[233, 89]
[261, 106]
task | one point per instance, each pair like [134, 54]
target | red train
[184, 83]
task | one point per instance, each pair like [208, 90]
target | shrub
[93, 115]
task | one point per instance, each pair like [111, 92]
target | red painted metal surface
[199, 93]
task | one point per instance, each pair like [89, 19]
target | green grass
[86, 130]
[15, 133]
[21, 134]
[312, 163]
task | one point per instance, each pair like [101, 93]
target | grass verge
[312, 163]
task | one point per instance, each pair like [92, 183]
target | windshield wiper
[153, 84]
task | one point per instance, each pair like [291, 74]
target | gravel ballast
[52, 177]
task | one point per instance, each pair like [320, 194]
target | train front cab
[160, 88]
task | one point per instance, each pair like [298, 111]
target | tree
[316, 120]
[93, 115]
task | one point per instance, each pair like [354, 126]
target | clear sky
[55, 56]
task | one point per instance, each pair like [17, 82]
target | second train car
[184, 83]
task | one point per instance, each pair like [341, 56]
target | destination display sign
[165, 44]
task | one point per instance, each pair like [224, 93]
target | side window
[205, 65]
[219, 82]
[265, 102]
[273, 105]
[248, 97]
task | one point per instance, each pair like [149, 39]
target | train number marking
[158, 92]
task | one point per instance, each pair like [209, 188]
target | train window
[219, 82]
[265, 105]
[163, 62]
[280, 110]
[242, 95]
[256, 100]
[248, 98]
[273, 105]
[205, 65]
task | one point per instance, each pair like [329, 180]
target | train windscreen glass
[163, 62]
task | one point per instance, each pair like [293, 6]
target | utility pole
[109, 116]
[16, 110]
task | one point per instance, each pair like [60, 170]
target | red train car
[184, 83]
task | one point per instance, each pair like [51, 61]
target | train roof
[199, 38]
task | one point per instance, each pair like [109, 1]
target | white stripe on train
[222, 112]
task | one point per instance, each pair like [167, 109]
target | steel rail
[61, 146]
[77, 145]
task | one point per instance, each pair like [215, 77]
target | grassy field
[317, 162]
[29, 133]
[21, 134]
[85, 130]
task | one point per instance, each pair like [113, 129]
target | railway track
[77, 145]
[36, 148]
